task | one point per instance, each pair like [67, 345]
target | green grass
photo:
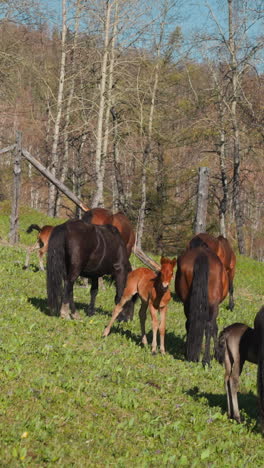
[70, 398]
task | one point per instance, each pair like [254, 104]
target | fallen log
[146, 259]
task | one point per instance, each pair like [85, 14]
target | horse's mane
[197, 242]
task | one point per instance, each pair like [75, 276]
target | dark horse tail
[56, 268]
[221, 347]
[198, 308]
[33, 226]
[259, 328]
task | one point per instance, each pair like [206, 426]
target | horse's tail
[221, 347]
[33, 226]
[198, 307]
[56, 268]
[259, 328]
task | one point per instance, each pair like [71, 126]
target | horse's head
[166, 271]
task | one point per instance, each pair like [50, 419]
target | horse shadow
[175, 345]
[248, 404]
[42, 305]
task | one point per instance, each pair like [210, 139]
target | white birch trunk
[54, 151]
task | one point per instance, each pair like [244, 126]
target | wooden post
[202, 200]
[14, 220]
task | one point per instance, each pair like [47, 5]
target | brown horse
[222, 248]
[201, 283]
[103, 216]
[153, 290]
[238, 343]
[41, 245]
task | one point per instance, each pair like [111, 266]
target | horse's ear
[163, 260]
[174, 260]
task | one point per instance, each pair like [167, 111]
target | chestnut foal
[41, 245]
[153, 290]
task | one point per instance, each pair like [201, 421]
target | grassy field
[70, 398]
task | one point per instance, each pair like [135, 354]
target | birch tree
[54, 163]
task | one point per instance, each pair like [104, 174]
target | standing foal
[153, 290]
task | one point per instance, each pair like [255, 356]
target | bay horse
[101, 216]
[238, 343]
[153, 290]
[41, 244]
[79, 249]
[222, 248]
[201, 282]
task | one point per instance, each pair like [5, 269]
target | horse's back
[121, 221]
[99, 216]
[94, 249]
[217, 276]
[229, 259]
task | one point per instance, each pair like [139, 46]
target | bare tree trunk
[222, 159]
[147, 152]
[65, 165]
[54, 152]
[236, 134]
[202, 200]
[119, 198]
[98, 199]
[160, 200]
[14, 220]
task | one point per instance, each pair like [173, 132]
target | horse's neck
[159, 290]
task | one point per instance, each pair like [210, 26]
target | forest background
[123, 104]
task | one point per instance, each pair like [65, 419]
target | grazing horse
[238, 343]
[153, 290]
[102, 216]
[80, 249]
[201, 283]
[41, 245]
[222, 248]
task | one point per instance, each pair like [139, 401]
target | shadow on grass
[248, 405]
[174, 345]
[42, 305]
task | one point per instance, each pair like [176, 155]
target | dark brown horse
[153, 290]
[103, 216]
[80, 249]
[238, 343]
[41, 245]
[222, 248]
[201, 283]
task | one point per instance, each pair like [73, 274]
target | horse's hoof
[76, 316]
[154, 353]
[106, 333]
[90, 313]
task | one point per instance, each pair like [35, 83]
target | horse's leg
[155, 326]
[93, 292]
[129, 291]
[117, 310]
[123, 289]
[142, 318]
[231, 385]
[215, 333]
[29, 252]
[231, 304]
[210, 331]
[162, 328]
[65, 310]
[41, 254]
